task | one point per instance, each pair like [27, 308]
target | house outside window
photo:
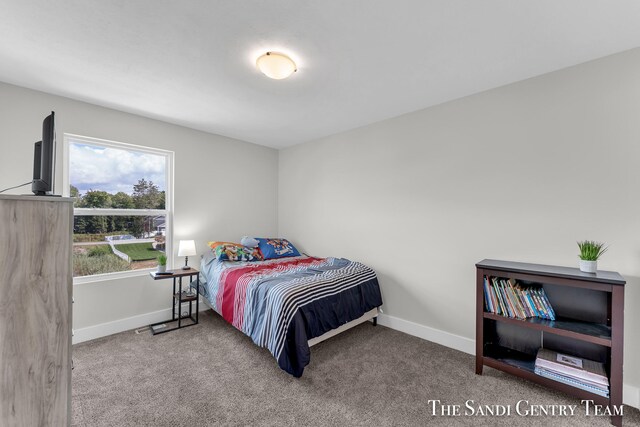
[123, 207]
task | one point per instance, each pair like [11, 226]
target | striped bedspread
[282, 303]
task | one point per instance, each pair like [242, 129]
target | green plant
[84, 265]
[99, 250]
[162, 259]
[591, 250]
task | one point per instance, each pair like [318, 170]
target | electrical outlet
[158, 327]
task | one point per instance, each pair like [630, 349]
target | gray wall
[518, 173]
[224, 188]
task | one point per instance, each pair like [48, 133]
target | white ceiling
[193, 62]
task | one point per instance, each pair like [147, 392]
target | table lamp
[186, 248]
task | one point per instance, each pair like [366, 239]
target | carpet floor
[211, 374]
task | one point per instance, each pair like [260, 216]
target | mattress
[282, 303]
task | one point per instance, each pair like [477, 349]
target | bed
[289, 304]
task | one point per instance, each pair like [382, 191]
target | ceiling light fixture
[276, 65]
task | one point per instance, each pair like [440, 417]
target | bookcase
[589, 323]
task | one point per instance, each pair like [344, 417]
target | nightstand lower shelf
[156, 328]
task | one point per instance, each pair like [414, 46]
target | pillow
[226, 251]
[249, 242]
[208, 257]
[214, 245]
[276, 248]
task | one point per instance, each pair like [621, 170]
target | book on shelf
[488, 302]
[578, 367]
[507, 297]
[513, 305]
[504, 305]
[579, 372]
[500, 309]
[531, 303]
[598, 384]
[600, 391]
[522, 295]
[516, 300]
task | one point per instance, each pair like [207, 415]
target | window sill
[111, 276]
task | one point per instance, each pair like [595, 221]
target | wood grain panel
[35, 311]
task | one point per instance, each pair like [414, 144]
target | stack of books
[582, 373]
[508, 298]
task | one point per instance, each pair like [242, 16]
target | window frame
[68, 139]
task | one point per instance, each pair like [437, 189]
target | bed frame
[369, 315]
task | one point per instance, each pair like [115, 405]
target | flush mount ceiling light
[276, 65]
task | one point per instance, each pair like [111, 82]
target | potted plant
[162, 263]
[590, 251]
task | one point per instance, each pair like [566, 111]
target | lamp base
[186, 263]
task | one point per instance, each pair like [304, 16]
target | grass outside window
[138, 251]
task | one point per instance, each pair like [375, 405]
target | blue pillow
[276, 248]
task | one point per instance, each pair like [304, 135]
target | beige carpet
[211, 374]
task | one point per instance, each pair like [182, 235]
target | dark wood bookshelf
[589, 324]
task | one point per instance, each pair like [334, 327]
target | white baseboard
[446, 339]
[630, 394]
[126, 324]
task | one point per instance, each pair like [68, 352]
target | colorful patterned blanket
[282, 303]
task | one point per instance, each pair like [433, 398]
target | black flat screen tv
[44, 159]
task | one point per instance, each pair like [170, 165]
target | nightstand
[179, 297]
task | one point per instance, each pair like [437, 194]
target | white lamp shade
[276, 65]
[187, 248]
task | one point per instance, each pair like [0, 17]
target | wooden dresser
[35, 310]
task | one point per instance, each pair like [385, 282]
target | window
[122, 213]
